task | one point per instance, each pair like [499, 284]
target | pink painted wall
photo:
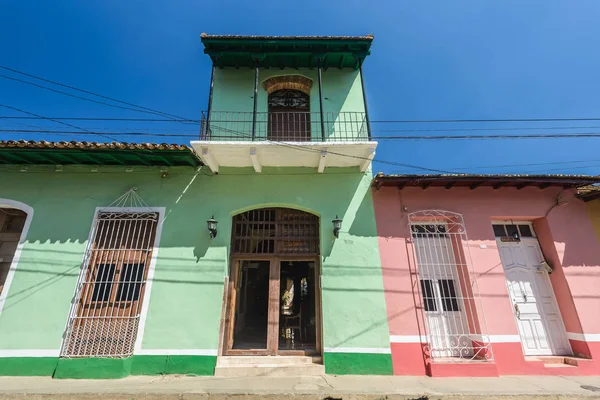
[566, 236]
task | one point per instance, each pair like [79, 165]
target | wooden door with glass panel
[273, 301]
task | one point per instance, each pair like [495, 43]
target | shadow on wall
[55, 244]
[334, 100]
[364, 220]
[572, 231]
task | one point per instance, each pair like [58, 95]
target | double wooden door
[257, 303]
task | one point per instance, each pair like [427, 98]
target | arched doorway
[273, 300]
[289, 115]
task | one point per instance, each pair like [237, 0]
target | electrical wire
[175, 118]
[87, 132]
[242, 135]
[182, 119]
[66, 124]
[95, 94]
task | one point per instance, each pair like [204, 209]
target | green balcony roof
[286, 51]
[93, 153]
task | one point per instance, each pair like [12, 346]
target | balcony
[285, 139]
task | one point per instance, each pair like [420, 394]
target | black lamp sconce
[212, 227]
[337, 225]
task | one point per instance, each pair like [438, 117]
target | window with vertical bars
[448, 286]
[275, 231]
[105, 313]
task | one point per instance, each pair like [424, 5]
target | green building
[253, 250]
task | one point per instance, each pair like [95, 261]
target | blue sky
[430, 60]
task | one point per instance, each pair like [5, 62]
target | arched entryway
[273, 302]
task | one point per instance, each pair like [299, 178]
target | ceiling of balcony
[259, 154]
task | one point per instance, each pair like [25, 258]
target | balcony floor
[258, 154]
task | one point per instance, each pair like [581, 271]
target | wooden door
[237, 308]
[267, 235]
[250, 322]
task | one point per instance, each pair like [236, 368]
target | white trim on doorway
[17, 255]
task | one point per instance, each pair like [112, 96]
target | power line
[487, 129]
[176, 119]
[393, 163]
[484, 137]
[85, 131]
[103, 119]
[182, 119]
[42, 117]
[243, 135]
[73, 95]
[88, 132]
[562, 169]
[94, 94]
[436, 121]
[526, 165]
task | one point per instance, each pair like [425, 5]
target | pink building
[489, 275]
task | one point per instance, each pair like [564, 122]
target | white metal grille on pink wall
[447, 287]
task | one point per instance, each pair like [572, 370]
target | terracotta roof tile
[32, 144]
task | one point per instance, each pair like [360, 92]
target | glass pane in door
[297, 322]
[251, 308]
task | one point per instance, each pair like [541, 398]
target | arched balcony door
[289, 115]
[273, 302]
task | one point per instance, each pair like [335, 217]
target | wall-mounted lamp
[516, 236]
[212, 227]
[337, 225]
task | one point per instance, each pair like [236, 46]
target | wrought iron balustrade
[284, 126]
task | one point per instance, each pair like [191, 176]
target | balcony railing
[284, 126]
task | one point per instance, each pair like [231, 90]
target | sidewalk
[314, 388]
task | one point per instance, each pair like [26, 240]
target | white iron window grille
[448, 288]
[105, 313]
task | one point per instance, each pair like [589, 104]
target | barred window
[448, 288]
[104, 316]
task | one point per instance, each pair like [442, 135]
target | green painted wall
[234, 91]
[186, 296]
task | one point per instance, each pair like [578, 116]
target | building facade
[259, 244]
[267, 246]
[489, 275]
